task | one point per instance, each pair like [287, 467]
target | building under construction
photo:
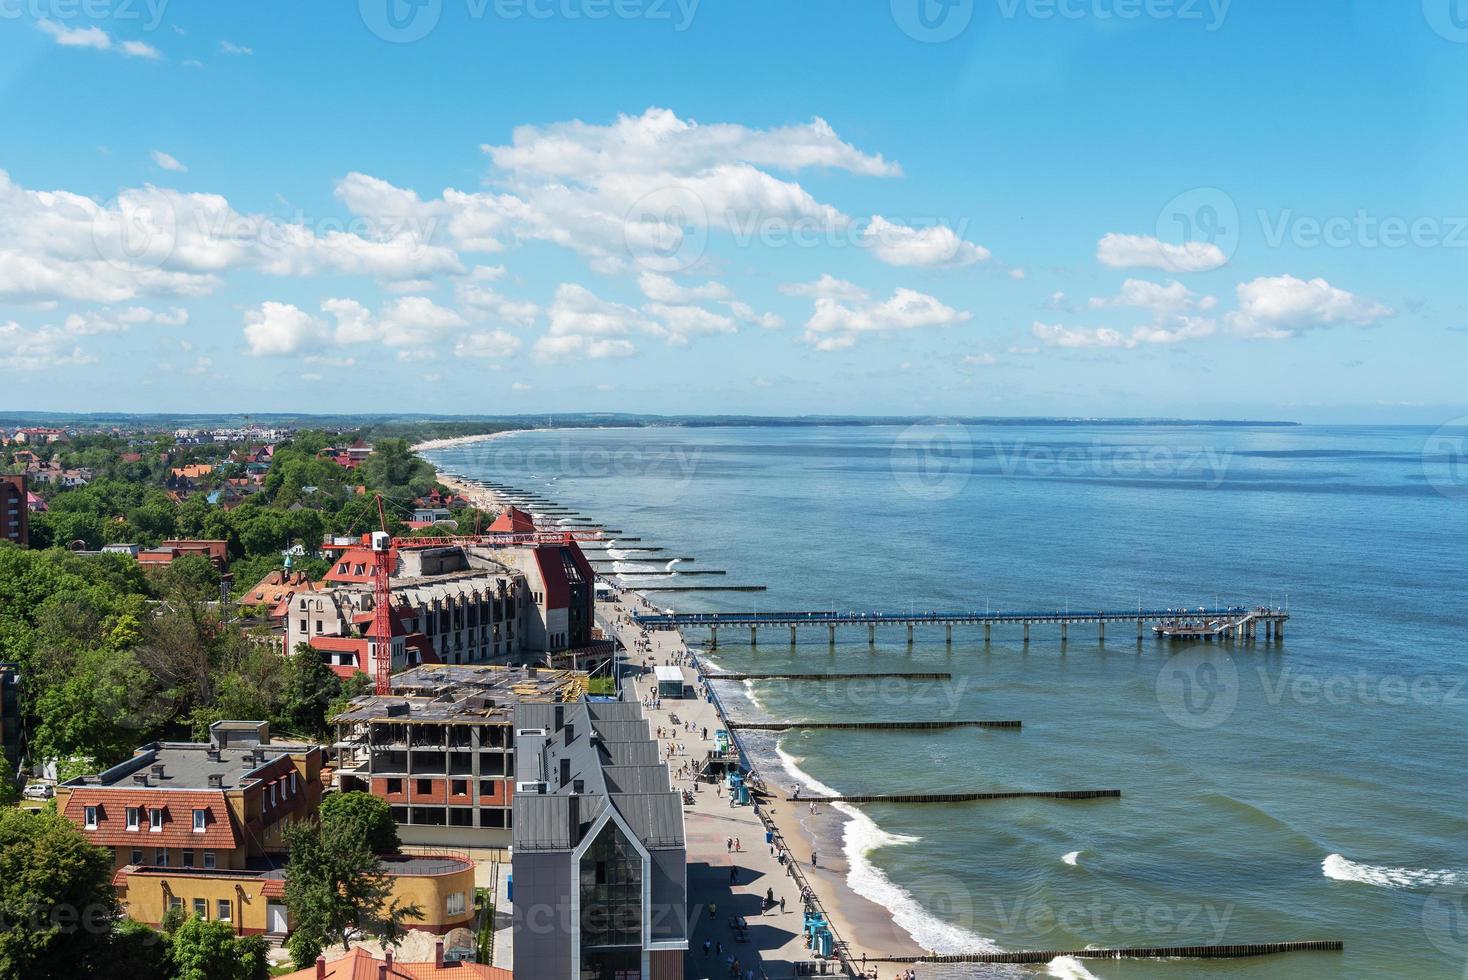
[440, 749]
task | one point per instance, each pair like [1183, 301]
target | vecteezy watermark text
[935, 21]
[406, 21]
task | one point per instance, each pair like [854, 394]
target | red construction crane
[383, 545]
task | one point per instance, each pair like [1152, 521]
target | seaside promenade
[725, 884]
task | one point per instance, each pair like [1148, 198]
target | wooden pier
[1231, 951]
[880, 675]
[1227, 622]
[786, 726]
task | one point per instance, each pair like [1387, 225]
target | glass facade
[611, 907]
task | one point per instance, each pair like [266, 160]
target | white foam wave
[1071, 858]
[1069, 968]
[1343, 869]
[860, 837]
[670, 565]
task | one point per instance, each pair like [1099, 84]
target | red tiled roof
[362, 965]
[513, 519]
[220, 832]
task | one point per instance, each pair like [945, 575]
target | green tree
[336, 885]
[9, 783]
[310, 688]
[211, 951]
[367, 816]
[57, 903]
[138, 952]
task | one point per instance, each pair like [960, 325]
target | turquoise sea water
[1311, 790]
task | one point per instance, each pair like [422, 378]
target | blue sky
[1033, 207]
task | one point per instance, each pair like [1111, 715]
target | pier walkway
[1202, 623]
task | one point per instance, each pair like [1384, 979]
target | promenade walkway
[725, 882]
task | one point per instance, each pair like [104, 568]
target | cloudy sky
[933, 207]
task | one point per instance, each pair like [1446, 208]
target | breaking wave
[1342, 869]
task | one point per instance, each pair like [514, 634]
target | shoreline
[868, 927]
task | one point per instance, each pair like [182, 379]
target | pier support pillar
[988, 629]
[909, 634]
[754, 636]
[1100, 631]
[832, 628]
[950, 634]
[713, 637]
[1027, 631]
[792, 636]
[1268, 631]
[1064, 627]
[871, 633]
[1139, 631]
[1278, 632]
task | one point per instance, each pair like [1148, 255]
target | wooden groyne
[1075, 794]
[702, 588]
[1232, 951]
[785, 726]
[830, 677]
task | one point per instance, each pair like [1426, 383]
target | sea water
[1312, 789]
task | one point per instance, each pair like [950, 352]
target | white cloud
[1283, 306]
[1171, 331]
[937, 245]
[662, 289]
[201, 365]
[1169, 300]
[76, 37]
[92, 322]
[519, 386]
[584, 325]
[745, 313]
[482, 301]
[56, 245]
[229, 47]
[39, 348]
[678, 323]
[838, 321]
[658, 138]
[168, 162]
[96, 39]
[487, 344]
[981, 360]
[1146, 252]
[277, 329]
[826, 287]
[407, 321]
[641, 191]
[137, 49]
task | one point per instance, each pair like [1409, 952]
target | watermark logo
[138, 234]
[932, 461]
[1448, 18]
[932, 21]
[666, 230]
[1206, 215]
[1445, 459]
[400, 21]
[1198, 689]
[1445, 919]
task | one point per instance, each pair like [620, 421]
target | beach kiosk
[670, 681]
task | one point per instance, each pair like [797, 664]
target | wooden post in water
[909, 634]
[988, 627]
[872, 633]
[754, 636]
[792, 636]
[713, 637]
[1027, 631]
[950, 634]
[1100, 631]
[832, 628]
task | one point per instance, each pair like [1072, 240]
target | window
[454, 905]
[394, 785]
[201, 908]
[201, 818]
[188, 859]
[132, 818]
[90, 818]
[136, 857]
[160, 857]
[461, 787]
[304, 628]
[209, 859]
[273, 797]
[425, 786]
[155, 819]
[174, 902]
[224, 913]
[293, 784]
